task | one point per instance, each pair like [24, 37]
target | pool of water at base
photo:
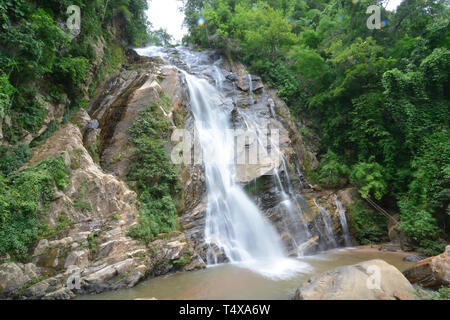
[227, 282]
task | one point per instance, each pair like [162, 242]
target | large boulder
[368, 280]
[431, 272]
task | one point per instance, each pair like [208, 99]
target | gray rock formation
[368, 280]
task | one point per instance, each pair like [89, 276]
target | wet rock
[288, 242]
[232, 77]
[111, 277]
[244, 83]
[368, 280]
[431, 272]
[309, 247]
[49, 259]
[347, 196]
[196, 264]
[132, 55]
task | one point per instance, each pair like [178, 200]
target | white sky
[166, 14]
[392, 4]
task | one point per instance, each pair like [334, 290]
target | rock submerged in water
[368, 280]
[431, 272]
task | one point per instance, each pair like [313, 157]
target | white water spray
[233, 221]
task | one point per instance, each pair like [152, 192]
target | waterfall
[343, 220]
[250, 88]
[329, 234]
[233, 222]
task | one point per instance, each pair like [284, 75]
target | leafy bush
[29, 110]
[442, 293]
[31, 46]
[24, 196]
[332, 172]
[72, 72]
[367, 225]
[12, 159]
[155, 175]
[369, 179]
[6, 93]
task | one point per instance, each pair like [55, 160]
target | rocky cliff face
[93, 251]
[312, 217]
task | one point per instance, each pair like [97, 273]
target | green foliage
[29, 48]
[71, 72]
[425, 206]
[369, 179]
[24, 196]
[6, 94]
[79, 203]
[332, 172]
[160, 37]
[51, 128]
[183, 261]
[155, 176]
[37, 54]
[64, 223]
[443, 293]
[29, 110]
[367, 225]
[93, 243]
[436, 72]
[12, 159]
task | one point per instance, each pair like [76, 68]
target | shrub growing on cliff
[24, 196]
[367, 225]
[155, 176]
[369, 179]
[12, 159]
[332, 172]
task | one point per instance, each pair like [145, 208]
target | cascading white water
[233, 221]
[328, 224]
[343, 220]
[250, 88]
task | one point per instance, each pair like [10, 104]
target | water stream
[233, 222]
[227, 281]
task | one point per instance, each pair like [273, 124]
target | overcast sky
[166, 14]
[393, 4]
